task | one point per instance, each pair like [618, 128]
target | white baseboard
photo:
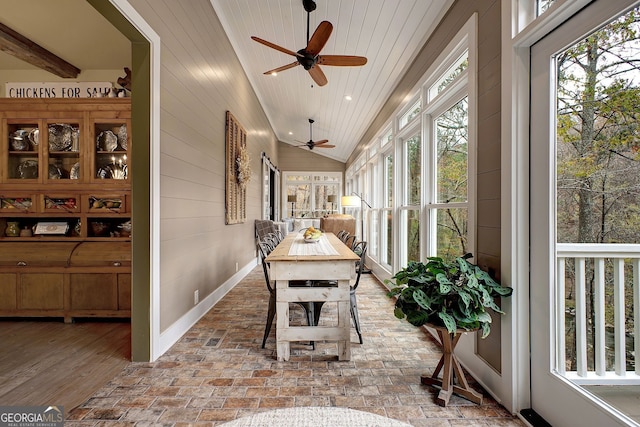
[174, 332]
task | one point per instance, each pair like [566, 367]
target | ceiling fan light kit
[310, 57]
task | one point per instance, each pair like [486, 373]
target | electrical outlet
[196, 297]
[236, 267]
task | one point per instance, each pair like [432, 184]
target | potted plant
[454, 294]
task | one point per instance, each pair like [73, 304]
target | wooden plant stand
[452, 369]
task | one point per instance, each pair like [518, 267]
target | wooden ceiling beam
[22, 48]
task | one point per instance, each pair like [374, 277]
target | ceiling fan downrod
[309, 6]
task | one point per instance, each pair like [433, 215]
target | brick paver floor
[218, 372]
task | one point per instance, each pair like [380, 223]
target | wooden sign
[57, 89]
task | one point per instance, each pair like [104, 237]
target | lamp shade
[332, 198]
[350, 201]
[291, 198]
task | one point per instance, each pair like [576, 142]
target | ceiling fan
[310, 57]
[311, 144]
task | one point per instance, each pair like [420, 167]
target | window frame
[312, 182]
[462, 85]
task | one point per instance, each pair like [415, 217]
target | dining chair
[340, 234]
[265, 246]
[360, 248]
[272, 238]
[264, 227]
[350, 241]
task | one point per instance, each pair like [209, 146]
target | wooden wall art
[235, 175]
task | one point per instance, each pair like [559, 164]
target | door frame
[146, 343]
[520, 30]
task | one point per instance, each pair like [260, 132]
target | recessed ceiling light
[348, 97]
[274, 73]
[290, 133]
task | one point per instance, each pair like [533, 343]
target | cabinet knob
[117, 264]
[21, 263]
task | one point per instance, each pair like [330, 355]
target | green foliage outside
[597, 152]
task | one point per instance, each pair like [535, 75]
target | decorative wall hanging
[237, 173]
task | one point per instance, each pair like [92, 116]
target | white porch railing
[619, 255]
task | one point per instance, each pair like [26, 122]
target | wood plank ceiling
[388, 32]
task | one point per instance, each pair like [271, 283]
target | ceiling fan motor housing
[307, 60]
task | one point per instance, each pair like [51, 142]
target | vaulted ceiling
[388, 32]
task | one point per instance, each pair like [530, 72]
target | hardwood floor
[48, 362]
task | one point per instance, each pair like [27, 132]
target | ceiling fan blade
[319, 38]
[325, 146]
[275, 46]
[317, 75]
[342, 60]
[284, 67]
[324, 141]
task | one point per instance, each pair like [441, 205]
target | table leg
[283, 348]
[451, 370]
[344, 322]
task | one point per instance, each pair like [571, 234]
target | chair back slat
[359, 248]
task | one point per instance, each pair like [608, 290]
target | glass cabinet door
[63, 151]
[111, 150]
[23, 150]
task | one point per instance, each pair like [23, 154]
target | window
[543, 5]
[386, 138]
[449, 76]
[410, 209]
[449, 209]
[422, 172]
[411, 114]
[308, 194]
[386, 213]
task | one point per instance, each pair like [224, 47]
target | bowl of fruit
[312, 235]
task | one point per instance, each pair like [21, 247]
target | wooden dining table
[327, 259]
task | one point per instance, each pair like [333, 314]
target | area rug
[315, 417]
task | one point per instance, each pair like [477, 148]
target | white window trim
[520, 30]
[312, 182]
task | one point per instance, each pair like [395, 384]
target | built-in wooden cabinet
[65, 187]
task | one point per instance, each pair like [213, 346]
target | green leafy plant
[450, 294]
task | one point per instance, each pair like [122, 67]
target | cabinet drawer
[17, 203]
[35, 254]
[60, 203]
[101, 254]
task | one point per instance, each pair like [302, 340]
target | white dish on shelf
[75, 171]
[122, 137]
[60, 137]
[107, 141]
[34, 136]
[28, 169]
[54, 172]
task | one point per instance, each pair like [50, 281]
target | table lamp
[291, 199]
[332, 198]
